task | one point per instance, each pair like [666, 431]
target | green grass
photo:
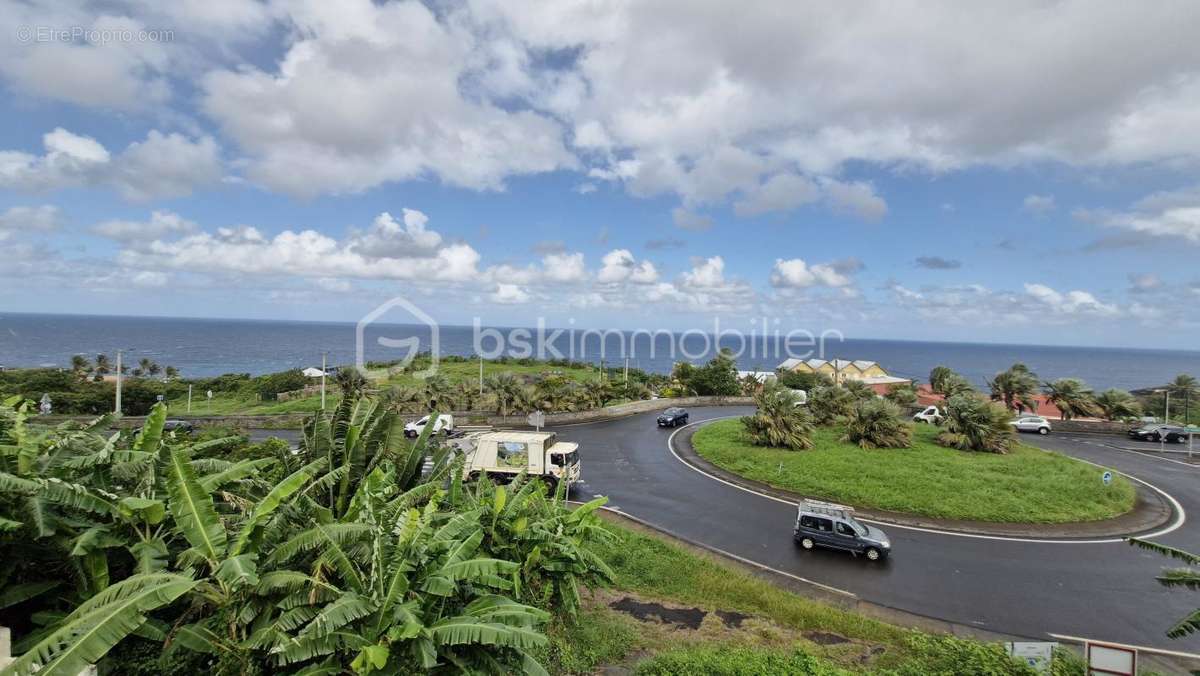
[1027, 485]
[233, 404]
[653, 567]
[459, 371]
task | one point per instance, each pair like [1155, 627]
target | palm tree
[876, 423]
[506, 389]
[779, 422]
[1184, 386]
[830, 404]
[975, 424]
[80, 366]
[1118, 404]
[1072, 397]
[937, 378]
[171, 372]
[1172, 578]
[1016, 386]
[102, 366]
[468, 394]
[437, 392]
[859, 390]
[350, 382]
[902, 395]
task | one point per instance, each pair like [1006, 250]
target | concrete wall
[1093, 426]
[622, 410]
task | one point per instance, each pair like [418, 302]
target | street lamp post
[117, 405]
[323, 357]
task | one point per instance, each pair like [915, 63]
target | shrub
[973, 424]
[876, 423]
[934, 655]
[779, 422]
[829, 404]
[803, 381]
[902, 395]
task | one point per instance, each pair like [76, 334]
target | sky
[1021, 172]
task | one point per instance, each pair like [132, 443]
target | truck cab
[511, 452]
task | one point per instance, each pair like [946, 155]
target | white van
[931, 414]
[444, 423]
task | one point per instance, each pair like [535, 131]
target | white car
[932, 415]
[1031, 423]
[444, 423]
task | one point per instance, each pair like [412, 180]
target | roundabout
[1018, 585]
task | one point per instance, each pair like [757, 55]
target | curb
[1150, 512]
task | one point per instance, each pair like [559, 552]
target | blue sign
[1107, 478]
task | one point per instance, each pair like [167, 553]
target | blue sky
[958, 173]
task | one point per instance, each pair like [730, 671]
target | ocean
[207, 347]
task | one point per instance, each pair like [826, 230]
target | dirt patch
[825, 638]
[691, 618]
[731, 618]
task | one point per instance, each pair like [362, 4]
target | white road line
[1139, 648]
[1180, 517]
[722, 552]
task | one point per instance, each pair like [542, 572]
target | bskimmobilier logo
[411, 344]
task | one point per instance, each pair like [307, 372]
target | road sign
[1038, 655]
[160, 397]
[1106, 658]
[1106, 478]
[210, 394]
[536, 419]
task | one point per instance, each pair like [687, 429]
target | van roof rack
[827, 508]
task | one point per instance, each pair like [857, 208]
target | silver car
[1032, 423]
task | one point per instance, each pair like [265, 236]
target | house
[1044, 407]
[841, 370]
[313, 372]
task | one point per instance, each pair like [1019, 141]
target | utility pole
[323, 356]
[626, 370]
[189, 407]
[481, 375]
[117, 408]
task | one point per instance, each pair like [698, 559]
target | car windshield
[858, 527]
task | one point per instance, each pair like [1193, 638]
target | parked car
[673, 417]
[444, 423]
[823, 524]
[1032, 423]
[169, 425]
[1171, 433]
[932, 415]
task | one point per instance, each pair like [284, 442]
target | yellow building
[841, 370]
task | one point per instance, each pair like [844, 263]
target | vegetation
[716, 378]
[1118, 405]
[1173, 578]
[779, 421]
[1017, 385]
[876, 423]
[1072, 397]
[946, 382]
[973, 424]
[902, 395]
[355, 559]
[1027, 485]
[806, 381]
[829, 405]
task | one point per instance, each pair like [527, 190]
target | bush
[935, 655]
[973, 424]
[779, 422]
[876, 423]
[739, 661]
[803, 381]
[270, 385]
[830, 404]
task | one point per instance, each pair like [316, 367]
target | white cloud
[619, 265]
[706, 273]
[149, 279]
[161, 166]
[1141, 283]
[29, 219]
[509, 294]
[386, 238]
[1070, 302]
[1170, 213]
[782, 192]
[1038, 205]
[161, 224]
[370, 93]
[796, 273]
[564, 267]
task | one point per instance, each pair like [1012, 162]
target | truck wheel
[807, 543]
[872, 554]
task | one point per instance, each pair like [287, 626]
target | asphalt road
[1032, 589]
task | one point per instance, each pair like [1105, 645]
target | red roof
[927, 397]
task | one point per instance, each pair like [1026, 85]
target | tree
[1185, 387]
[806, 381]
[974, 424]
[1015, 386]
[350, 382]
[171, 372]
[80, 366]
[902, 395]
[779, 422]
[830, 404]
[102, 366]
[859, 390]
[1117, 404]
[146, 367]
[876, 423]
[749, 384]
[716, 378]
[937, 378]
[507, 391]
[437, 392]
[1072, 397]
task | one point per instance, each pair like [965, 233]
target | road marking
[722, 552]
[1180, 517]
[1139, 648]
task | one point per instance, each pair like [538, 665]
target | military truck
[508, 453]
